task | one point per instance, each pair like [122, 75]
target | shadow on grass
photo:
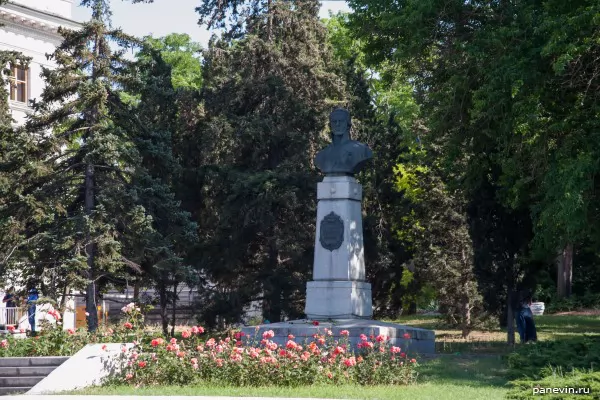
[484, 359]
[470, 370]
[472, 347]
[567, 324]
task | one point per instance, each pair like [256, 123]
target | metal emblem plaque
[332, 232]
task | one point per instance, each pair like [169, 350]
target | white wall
[36, 48]
[33, 33]
[64, 8]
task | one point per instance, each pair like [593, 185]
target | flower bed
[262, 362]
[52, 340]
[192, 358]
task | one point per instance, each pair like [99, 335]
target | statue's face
[339, 124]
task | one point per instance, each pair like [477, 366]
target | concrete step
[26, 371]
[32, 361]
[4, 391]
[20, 381]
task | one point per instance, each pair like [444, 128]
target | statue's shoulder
[322, 155]
[324, 151]
[359, 148]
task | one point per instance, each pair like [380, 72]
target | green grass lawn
[464, 369]
[426, 391]
[446, 377]
[493, 341]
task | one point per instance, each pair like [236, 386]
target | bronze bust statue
[343, 156]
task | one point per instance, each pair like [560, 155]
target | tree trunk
[274, 305]
[564, 270]
[510, 317]
[162, 294]
[90, 248]
[136, 292]
[272, 291]
[62, 304]
[466, 318]
[270, 20]
[412, 308]
[568, 269]
[465, 307]
[174, 310]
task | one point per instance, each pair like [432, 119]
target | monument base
[422, 341]
[338, 300]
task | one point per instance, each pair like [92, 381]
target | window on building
[19, 84]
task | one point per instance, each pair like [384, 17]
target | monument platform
[339, 296]
[422, 341]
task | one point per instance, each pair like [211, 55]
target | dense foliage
[266, 99]
[501, 91]
[194, 167]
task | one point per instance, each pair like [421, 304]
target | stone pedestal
[339, 289]
[418, 340]
[339, 297]
[338, 300]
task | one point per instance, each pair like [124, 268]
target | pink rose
[268, 334]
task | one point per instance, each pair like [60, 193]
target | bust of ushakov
[343, 156]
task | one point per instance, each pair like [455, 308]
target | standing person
[525, 323]
[9, 298]
[32, 298]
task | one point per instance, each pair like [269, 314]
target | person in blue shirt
[32, 297]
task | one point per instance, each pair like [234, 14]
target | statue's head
[339, 122]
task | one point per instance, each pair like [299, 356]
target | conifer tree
[87, 161]
[13, 166]
[153, 122]
[269, 86]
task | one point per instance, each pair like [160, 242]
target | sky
[162, 17]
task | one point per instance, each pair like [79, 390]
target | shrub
[52, 340]
[574, 302]
[229, 361]
[537, 360]
[588, 380]
[558, 364]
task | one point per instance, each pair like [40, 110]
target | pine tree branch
[136, 267]
[26, 241]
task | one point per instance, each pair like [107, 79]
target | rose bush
[190, 358]
[262, 362]
[52, 340]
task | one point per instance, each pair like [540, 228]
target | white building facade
[31, 28]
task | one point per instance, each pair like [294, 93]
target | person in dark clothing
[32, 297]
[524, 316]
[9, 298]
